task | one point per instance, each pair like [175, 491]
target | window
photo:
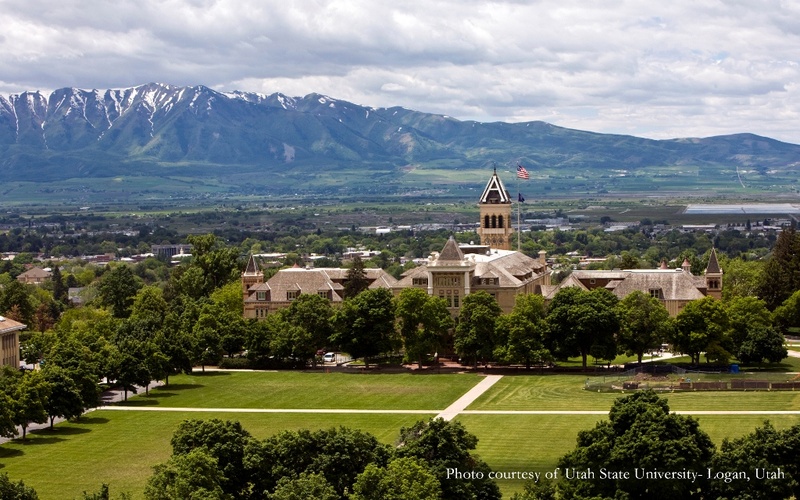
[592, 281]
[291, 295]
[655, 292]
[323, 294]
[261, 295]
[419, 281]
[455, 301]
[500, 221]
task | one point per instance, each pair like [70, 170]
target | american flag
[522, 173]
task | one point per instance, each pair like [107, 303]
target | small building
[34, 276]
[9, 342]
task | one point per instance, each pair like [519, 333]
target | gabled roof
[495, 191]
[302, 280]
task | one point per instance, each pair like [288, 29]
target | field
[119, 447]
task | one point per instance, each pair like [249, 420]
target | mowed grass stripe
[398, 391]
[120, 448]
[566, 393]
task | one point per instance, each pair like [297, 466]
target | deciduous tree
[423, 322]
[364, 324]
[644, 324]
[475, 333]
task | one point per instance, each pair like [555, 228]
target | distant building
[672, 287]
[34, 276]
[169, 251]
[262, 298]
[9, 342]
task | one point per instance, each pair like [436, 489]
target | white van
[329, 357]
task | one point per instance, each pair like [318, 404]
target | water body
[753, 208]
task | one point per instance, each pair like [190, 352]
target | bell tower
[495, 210]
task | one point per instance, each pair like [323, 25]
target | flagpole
[519, 232]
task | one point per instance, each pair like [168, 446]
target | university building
[9, 342]
[674, 288]
[491, 266]
[452, 274]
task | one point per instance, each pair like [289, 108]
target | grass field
[120, 447]
[310, 390]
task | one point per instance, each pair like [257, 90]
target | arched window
[500, 222]
[486, 221]
[494, 221]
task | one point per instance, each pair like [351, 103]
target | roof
[320, 279]
[451, 252]
[35, 272]
[713, 265]
[495, 191]
[8, 325]
[252, 267]
[674, 284]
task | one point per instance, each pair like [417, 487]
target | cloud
[679, 69]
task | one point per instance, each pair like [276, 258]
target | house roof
[451, 252]
[35, 272]
[674, 284]
[8, 325]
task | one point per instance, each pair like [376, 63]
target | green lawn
[120, 447]
[310, 390]
[536, 442]
[566, 392]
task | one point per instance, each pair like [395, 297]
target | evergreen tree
[357, 280]
[781, 275]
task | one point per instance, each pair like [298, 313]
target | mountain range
[242, 141]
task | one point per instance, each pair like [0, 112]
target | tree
[7, 426]
[117, 290]
[762, 342]
[402, 479]
[443, 444]
[521, 334]
[193, 475]
[30, 400]
[579, 319]
[304, 486]
[745, 314]
[702, 326]
[15, 491]
[423, 322]
[787, 315]
[640, 434]
[364, 325]
[767, 449]
[65, 397]
[59, 290]
[741, 278]
[644, 324]
[15, 303]
[224, 441]
[781, 275]
[310, 316]
[219, 265]
[474, 338]
[356, 281]
[338, 454]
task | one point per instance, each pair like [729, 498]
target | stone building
[9, 342]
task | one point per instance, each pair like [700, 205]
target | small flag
[520, 198]
[522, 173]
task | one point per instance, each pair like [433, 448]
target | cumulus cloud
[679, 69]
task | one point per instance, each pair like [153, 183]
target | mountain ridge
[155, 129]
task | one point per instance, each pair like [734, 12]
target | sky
[677, 68]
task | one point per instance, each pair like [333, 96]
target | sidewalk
[106, 398]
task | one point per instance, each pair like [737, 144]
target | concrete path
[269, 410]
[461, 403]
[794, 354]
